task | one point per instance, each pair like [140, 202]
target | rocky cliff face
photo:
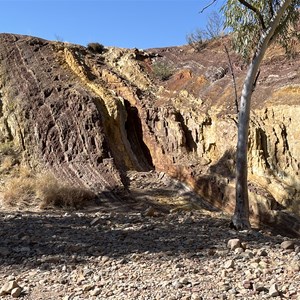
[91, 118]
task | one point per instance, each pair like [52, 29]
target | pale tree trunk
[240, 218]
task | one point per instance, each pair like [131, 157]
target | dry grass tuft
[45, 191]
[7, 163]
[19, 191]
[24, 171]
[8, 158]
[54, 194]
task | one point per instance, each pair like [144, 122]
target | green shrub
[162, 70]
[96, 47]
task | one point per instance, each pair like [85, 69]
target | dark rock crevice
[1, 105]
[134, 131]
[190, 145]
[262, 142]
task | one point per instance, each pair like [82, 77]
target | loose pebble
[232, 244]
[288, 245]
[273, 291]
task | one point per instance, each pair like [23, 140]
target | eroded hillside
[94, 119]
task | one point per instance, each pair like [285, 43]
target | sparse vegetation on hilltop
[162, 70]
[96, 47]
[213, 30]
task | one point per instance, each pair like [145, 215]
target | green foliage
[96, 47]
[162, 70]
[248, 25]
[289, 29]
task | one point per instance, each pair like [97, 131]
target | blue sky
[127, 23]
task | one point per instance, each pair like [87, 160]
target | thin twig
[271, 8]
[207, 6]
[255, 81]
[233, 80]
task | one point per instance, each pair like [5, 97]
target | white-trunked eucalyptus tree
[255, 24]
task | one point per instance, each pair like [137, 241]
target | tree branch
[256, 11]
[271, 8]
[256, 79]
[207, 6]
[233, 80]
[277, 31]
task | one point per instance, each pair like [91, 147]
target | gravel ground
[129, 255]
[143, 250]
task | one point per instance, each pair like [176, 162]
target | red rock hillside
[92, 119]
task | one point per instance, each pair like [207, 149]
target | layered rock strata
[92, 117]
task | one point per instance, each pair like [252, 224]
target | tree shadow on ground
[218, 188]
[47, 238]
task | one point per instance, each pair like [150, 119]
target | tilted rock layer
[90, 118]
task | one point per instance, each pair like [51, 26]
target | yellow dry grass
[55, 194]
[44, 191]
[290, 90]
[7, 163]
[19, 191]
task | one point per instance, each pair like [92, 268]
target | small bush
[54, 194]
[7, 163]
[58, 38]
[8, 157]
[214, 29]
[96, 47]
[44, 190]
[294, 207]
[7, 149]
[214, 26]
[162, 70]
[196, 39]
[19, 191]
